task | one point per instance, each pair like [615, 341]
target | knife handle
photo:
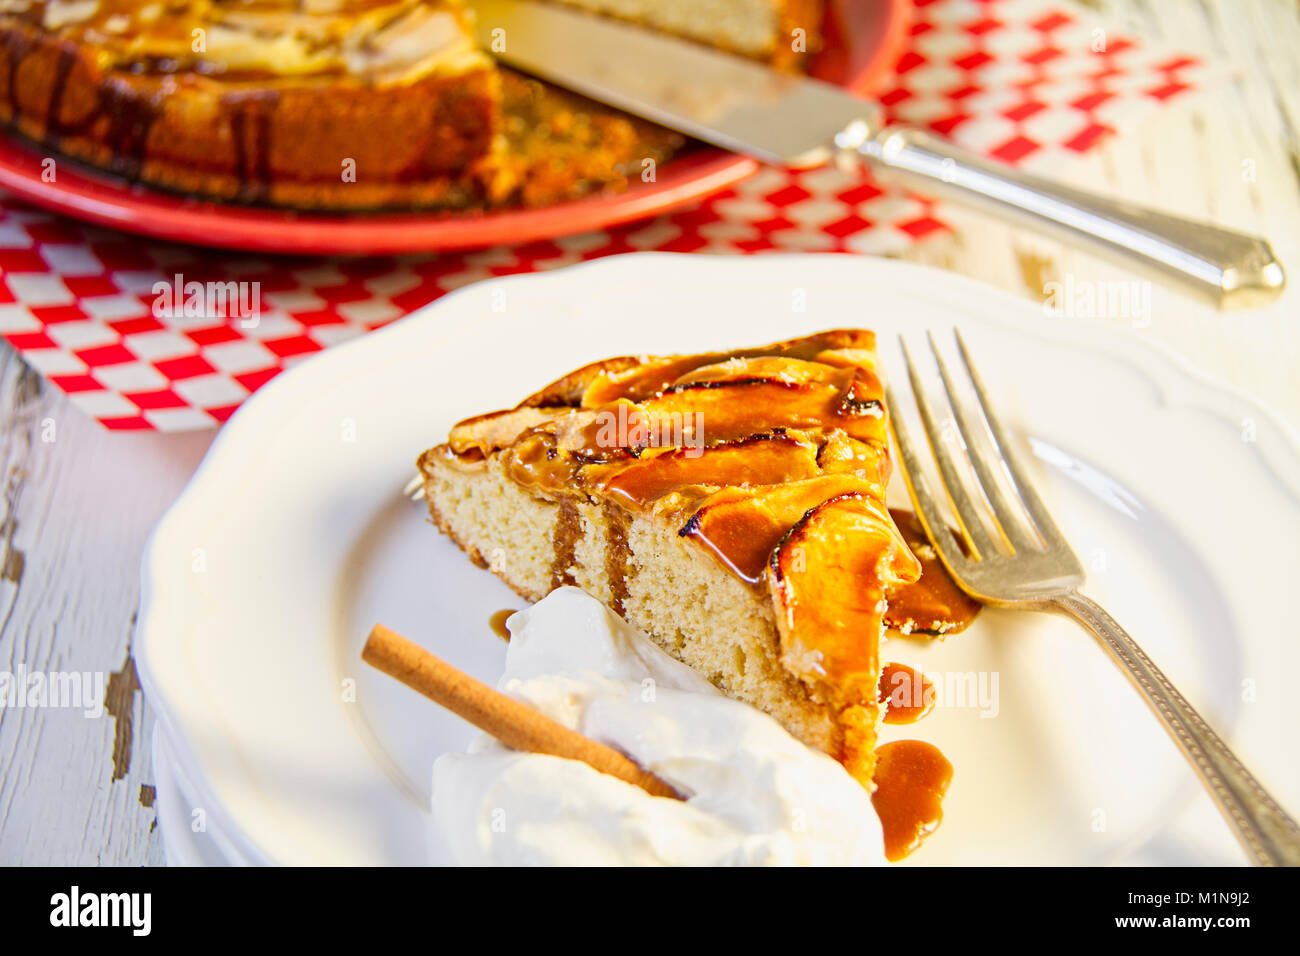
[1230, 268]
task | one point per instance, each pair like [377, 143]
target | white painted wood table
[79, 501]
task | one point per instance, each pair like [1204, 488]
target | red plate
[863, 41]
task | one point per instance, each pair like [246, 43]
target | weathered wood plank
[78, 504]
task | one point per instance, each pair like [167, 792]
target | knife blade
[731, 102]
[797, 121]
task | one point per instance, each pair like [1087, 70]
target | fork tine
[1011, 522]
[1033, 504]
[967, 517]
[919, 489]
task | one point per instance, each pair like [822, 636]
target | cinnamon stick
[515, 724]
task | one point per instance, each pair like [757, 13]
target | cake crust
[780, 32]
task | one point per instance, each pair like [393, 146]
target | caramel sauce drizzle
[911, 780]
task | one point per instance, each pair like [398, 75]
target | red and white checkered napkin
[1018, 80]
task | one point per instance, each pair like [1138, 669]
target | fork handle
[1268, 834]
[1231, 268]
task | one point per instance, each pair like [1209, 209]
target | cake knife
[796, 121]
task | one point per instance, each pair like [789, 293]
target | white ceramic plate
[262, 581]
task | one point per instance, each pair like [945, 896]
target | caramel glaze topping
[260, 39]
[773, 460]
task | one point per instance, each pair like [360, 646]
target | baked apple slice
[741, 528]
[760, 460]
[828, 580]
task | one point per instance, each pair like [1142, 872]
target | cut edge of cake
[640, 568]
[779, 32]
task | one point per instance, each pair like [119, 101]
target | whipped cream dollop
[757, 796]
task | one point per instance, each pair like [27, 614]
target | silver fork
[1005, 560]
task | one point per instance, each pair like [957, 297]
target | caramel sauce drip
[498, 622]
[934, 604]
[911, 776]
[909, 694]
[564, 541]
[618, 555]
[911, 780]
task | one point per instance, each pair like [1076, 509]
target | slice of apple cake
[730, 505]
